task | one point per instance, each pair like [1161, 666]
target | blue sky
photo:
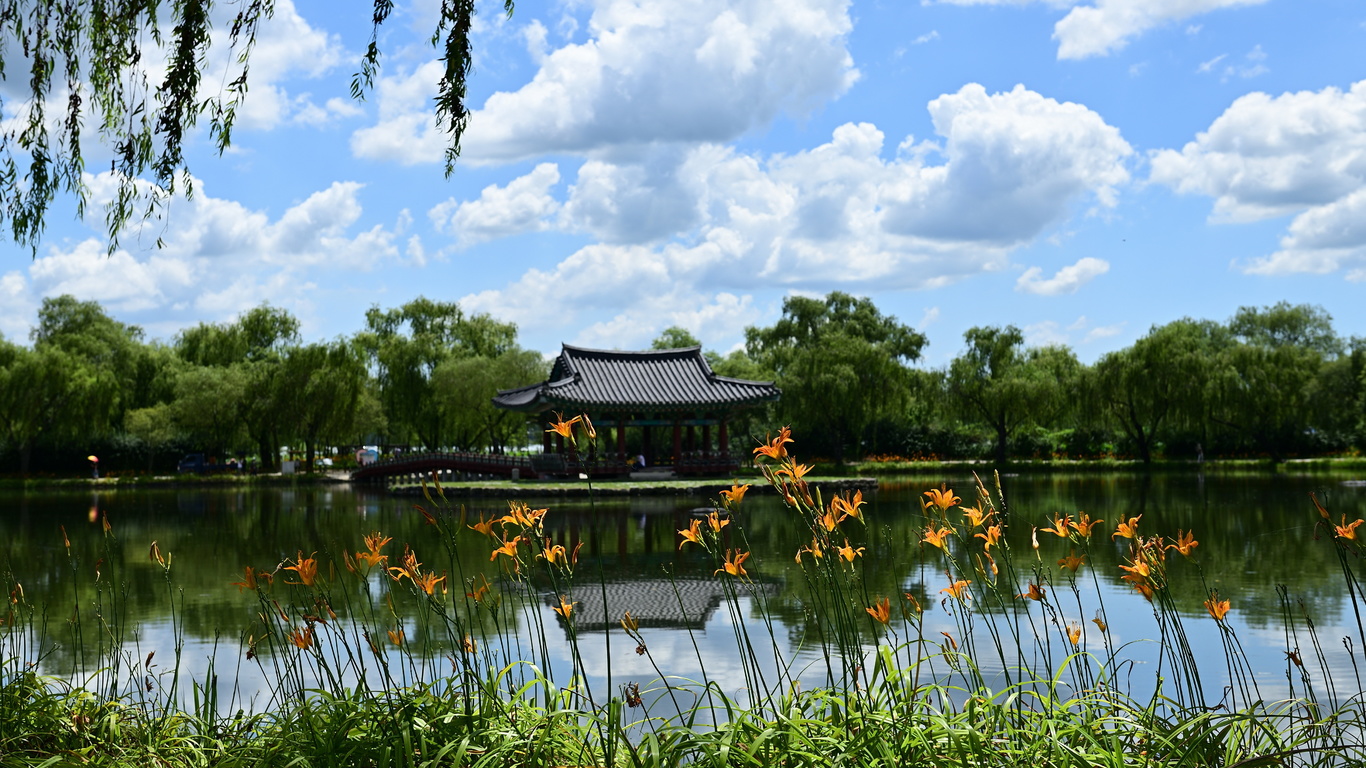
[1083, 169]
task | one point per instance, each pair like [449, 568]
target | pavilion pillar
[678, 442]
[545, 441]
[559, 443]
[690, 440]
[724, 439]
[706, 441]
[621, 437]
[645, 448]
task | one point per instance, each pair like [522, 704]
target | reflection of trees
[1255, 532]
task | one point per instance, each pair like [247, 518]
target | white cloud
[1301, 154]
[1209, 65]
[1271, 156]
[1109, 25]
[687, 71]
[1105, 26]
[711, 219]
[523, 205]
[218, 257]
[1051, 332]
[933, 34]
[1069, 279]
[930, 317]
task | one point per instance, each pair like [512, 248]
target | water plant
[382, 653]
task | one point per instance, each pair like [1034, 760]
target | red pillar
[545, 441]
[621, 438]
[724, 447]
[706, 441]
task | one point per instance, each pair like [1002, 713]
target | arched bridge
[424, 464]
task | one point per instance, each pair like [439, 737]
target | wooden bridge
[422, 465]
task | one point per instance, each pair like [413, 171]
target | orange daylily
[1099, 622]
[1061, 526]
[735, 495]
[1035, 593]
[942, 497]
[734, 563]
[1346, 530]
[306, 567]
[958, 590]
[552, 552]
[565, 608]
[427, 582]
[796, 471]
[936, 537]
[828, 520]
[564, 428]
[977, 516]
[716, 523]
[302, 638]
[848, 506]
[479, 591]
[1184, 542]
[1216, 607]
[396, 636]
[1138, 572]
[1084, 524]
[692, 533]
[1127, 529]
[469, 644]
[485, 526]
[1072, 562]
[814, 549]
[775, 449]
[992, 536]
[881, 610]
[1074, 633]
[509, 548]
[521, 514]
[849, 553]
[249, 582]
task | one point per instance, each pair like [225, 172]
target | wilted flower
[302, 638]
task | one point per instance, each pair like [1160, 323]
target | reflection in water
[1255, 532]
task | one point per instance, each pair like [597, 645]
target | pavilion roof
[596, 380]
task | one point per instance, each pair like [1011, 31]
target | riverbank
[708, 487]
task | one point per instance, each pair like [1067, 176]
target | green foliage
[841, 365]
[675, 337]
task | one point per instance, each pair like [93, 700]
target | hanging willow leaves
[94, 63]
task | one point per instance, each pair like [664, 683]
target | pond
[1257, 533]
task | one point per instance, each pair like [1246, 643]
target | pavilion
[673, 391]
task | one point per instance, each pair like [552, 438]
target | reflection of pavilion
[673, 390]
[683, 603]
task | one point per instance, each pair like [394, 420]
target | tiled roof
[591, 379]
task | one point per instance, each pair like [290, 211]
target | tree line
[423, 374]
[1270, 382]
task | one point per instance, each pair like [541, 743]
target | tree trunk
[309, 452]
[1001, 444]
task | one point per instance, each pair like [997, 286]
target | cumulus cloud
[713, 219]
[523, 205]
[1069, 279]
[687, 71]
[1102, 27]
[217, 257]
[1300, 154]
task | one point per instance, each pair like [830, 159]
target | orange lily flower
[376, 541]
[565, 608]
[1145, 590]
[1348, 531]
[1099, 622]
[796, 471]
[849, 553]
[848, 506]
[551, 553]
[716, 523]
[881, 610]
[1074, 633]
[427, 582]
[1085, 524]
[479, 591]
[470, 645]
[1072, 562]
[952, 642]
[1035, 593]
[1322, 512]
[306, 567]
[509, 548]
[248, 582]
[564, 428]
[735, 495]
[936, 537]
[692, 533]
[1127, 529]
[1138, 571]
[396, 636]
[302, 638]
[814, 549]
[958, 590]
[977, 516]
[992, 536]
[1216, 607]
[370, 558]
[828, 520]
[942, 497]
[1184, 542]
[485, 526]
[1061, 526]
[734, 563]
[775, 449]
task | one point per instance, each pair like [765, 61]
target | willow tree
[137, 71]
